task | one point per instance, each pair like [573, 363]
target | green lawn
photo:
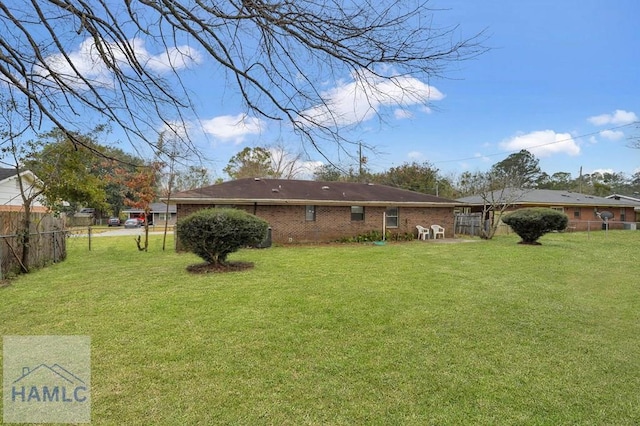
[488, 332]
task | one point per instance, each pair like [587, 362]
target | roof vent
[275, 190]
[370, 184]
[325, 188]
[256, 178]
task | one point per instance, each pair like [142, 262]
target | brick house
[583, 210]
[635, 200]
[301, 211]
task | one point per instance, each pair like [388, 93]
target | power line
[537, 146]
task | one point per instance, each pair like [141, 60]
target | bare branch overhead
[66, 58]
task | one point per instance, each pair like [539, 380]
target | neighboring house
[157, 215]
[10, 197]
[583, 210]
[635, 199]
[310, 211]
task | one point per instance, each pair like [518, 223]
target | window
[576, 213]
[560, 209]
[310, 213]
[392, 217]
[357, 213]
[623, 215]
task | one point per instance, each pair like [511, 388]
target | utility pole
[360, 161]
[580, 181]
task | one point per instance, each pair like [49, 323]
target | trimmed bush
[213, 234]
[532, 223]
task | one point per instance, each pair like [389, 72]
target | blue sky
[561, 78]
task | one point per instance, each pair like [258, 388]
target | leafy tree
[250, 162]
[213, 234]
[292, 45]
[143, 187]
[519, 170]
[328, 173]
[532, 223]
[112, 166]
[416, 177]
[66, 170]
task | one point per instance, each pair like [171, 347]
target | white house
[10, 197]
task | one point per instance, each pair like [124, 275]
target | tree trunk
[25, 237]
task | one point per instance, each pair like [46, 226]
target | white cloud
[415, 155]
[612, 135]
[543, 143]
[481, 157]
[602, 171]
[89, 64]
[618, 117]
[308, 169]
[362, 98]
[176, 129]
[402, 114]
[176, 58]
[233, 127]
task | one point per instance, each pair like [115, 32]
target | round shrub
[213, 234]
[532, 223]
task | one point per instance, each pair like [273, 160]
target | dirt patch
[208, 268]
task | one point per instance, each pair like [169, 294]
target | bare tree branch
[68, 58]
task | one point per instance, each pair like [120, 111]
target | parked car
[113, 221]
[132, 223]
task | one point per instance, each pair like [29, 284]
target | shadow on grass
[208, 268]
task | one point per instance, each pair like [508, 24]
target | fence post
[89, 236]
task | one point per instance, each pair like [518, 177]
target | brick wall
[289, 225]
[583, 218]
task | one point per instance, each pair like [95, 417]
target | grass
[490, 332]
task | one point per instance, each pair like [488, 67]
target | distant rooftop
[549, 196]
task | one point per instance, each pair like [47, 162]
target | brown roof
[285, 191]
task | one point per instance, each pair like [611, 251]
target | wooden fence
[47, 243]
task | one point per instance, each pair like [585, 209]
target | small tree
[532, 223]
[143, 187]
[215, 233]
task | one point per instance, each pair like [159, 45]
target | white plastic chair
[437, 230]
[423, 233]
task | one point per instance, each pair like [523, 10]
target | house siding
[11, 199]
[289, 225]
